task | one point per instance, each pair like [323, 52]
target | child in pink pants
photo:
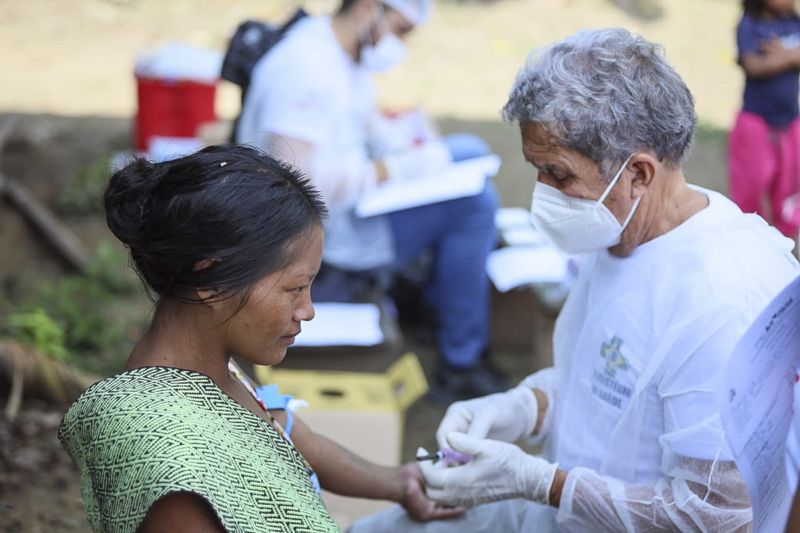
[764, 146]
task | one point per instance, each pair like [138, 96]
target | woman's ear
[644, 167]
[205, 294]
[204, 264]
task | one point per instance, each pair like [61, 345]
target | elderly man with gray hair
[671, 275]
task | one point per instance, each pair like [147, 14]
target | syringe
[449, 456]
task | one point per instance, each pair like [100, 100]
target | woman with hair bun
[228, 241]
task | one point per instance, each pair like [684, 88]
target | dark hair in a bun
[233, 205]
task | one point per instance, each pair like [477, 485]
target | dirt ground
[73, 90]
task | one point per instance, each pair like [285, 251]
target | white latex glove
[417, 162]
[498, 471]
[506, 416]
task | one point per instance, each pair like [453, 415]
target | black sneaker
[454, 384]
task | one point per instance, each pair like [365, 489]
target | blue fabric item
[465, 146]
[273, 399]
[461, 234]
[773, 98]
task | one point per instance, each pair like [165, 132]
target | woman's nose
[305, 311]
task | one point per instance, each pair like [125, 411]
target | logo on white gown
[610, 351]
[611, 382]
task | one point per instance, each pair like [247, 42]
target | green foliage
[87, 320]
[78, 304]
[109, 267]
[82, 195]
[37, 329]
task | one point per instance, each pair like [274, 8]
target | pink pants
[765, 161]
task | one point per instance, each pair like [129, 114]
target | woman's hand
[416, 502]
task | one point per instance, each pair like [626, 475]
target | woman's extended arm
[342, 472]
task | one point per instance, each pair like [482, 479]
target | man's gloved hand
[498, 471]
[506, 416]
[417, 162]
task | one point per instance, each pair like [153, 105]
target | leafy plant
[91, 320]
[37, 329]
[82, 195]
[110, 269]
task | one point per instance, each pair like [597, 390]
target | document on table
[342, 324]
[756, 406]
[459, 180]
[516, 266]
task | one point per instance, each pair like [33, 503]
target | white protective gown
[639, 349]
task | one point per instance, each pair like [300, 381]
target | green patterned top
[142, 434]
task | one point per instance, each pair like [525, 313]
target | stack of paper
[342, 324]
[517, 266]
[756, 397]
[459, 180]
[514, 225]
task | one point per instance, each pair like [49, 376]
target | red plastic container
[171, 108]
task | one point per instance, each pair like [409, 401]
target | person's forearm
[765, 65]
[341, 181]
[381, 172]
[347, 474]
[595, 502]
[541, 405]
[343, 472]
[557, 488]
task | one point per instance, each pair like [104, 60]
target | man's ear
[644, 166]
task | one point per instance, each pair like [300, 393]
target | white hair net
[416, 11]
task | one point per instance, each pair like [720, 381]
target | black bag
[251, 41]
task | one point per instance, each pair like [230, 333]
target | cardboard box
[362, 411]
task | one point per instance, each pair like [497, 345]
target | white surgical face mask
[388, 52]
[575, 225]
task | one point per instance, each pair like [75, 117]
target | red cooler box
[172, 108]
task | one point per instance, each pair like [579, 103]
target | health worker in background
[313, 101]
[671, 275]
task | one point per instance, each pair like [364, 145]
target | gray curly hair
[606, 94]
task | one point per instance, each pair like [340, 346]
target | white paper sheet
[459, 180]
[517, 266]
[168, 148]
[342, 324]
[756, 406]
[523, 236]
[510, 217]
